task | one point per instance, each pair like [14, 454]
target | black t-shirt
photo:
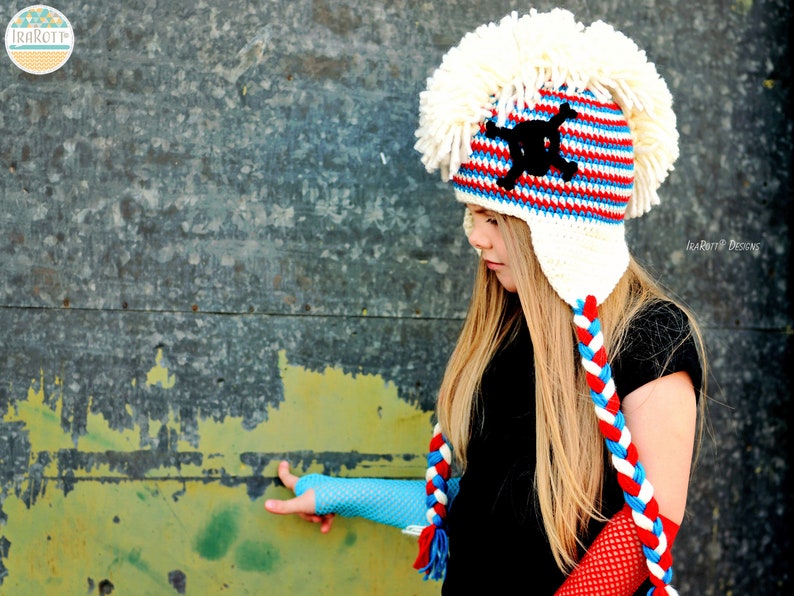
[497, 541]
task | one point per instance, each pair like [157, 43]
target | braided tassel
[433, 543]
[637, 490]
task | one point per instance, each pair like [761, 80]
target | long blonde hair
[570, 449]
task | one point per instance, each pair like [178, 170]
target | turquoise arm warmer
[398, 503]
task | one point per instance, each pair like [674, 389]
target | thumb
[302, 504]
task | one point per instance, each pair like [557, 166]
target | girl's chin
[507, 283]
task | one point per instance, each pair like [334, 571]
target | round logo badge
[39, 39]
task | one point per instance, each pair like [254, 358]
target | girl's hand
[304, 506]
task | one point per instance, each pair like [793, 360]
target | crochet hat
[571, 129]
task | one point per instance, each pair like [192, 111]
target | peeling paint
[106, 532]
[43, 418]
[159, 374]
[187, 511]
[315, 417]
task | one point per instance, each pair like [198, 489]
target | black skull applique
[534, 147]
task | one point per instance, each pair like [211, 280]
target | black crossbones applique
[528, 151]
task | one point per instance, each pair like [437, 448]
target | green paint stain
[350, 539]
[256, 556]
[135, 559]
[214, 541]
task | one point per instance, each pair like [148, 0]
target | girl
[551, 134]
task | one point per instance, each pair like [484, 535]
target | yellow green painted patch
[182, 529]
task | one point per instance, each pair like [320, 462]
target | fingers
[287, 478]
[304, 506]
[325, 521]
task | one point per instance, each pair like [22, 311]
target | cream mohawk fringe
[507, 63]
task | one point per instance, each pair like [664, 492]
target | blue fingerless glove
[398, 503]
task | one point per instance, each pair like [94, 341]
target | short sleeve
[658, 342]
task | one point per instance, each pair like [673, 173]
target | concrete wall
[219, 249]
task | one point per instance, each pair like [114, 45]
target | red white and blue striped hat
[592, 129]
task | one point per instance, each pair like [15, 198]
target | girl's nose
[478, 238]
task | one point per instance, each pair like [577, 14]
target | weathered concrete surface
[220, 249]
